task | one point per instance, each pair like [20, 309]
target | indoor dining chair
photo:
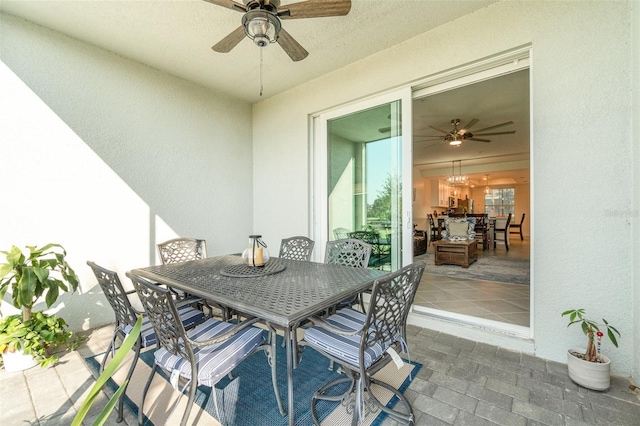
[126, 316]
[202, 355]
[433, 229]
[501, 231]
[361, 344]
[516, 228]
[296, 248]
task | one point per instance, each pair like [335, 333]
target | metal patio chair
[126, 316]
[296, 248]
[183, 250]
[380, 253]
[341, 233]
[348, 252]
[203, 355]
[361, 344]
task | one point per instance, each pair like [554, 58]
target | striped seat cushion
[190, 318]
[345, 348]
[214, 361]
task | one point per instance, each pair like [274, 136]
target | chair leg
[394, 414]
[521, 236]
[193, 386]
[129, 374]
[144, 393]
[320, 394]
[111, 349]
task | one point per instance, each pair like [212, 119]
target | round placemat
[245, 271]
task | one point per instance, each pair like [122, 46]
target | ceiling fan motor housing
[261, 26]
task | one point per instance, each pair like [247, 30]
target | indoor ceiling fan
[456, 136]
[261, 22]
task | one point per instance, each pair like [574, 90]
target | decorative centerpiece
[256, 253]
[255, 261]
[589, 368]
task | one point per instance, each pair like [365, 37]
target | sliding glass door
[362, 181]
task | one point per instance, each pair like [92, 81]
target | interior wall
[579, 51]
[108, 157]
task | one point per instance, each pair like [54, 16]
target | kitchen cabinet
[439, 193]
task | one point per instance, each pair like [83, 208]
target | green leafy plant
[36, 336]
[111, 367]
[592, 330]
[42, 272]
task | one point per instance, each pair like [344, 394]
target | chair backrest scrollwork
[164, 317]
[115, 294]
[296, 248]
[182, 250]
[391, 299]
[348, 252]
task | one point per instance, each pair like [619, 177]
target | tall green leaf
[110, 368]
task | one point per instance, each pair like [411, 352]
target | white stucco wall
[636, 189]
[109, 157]
[581, 162]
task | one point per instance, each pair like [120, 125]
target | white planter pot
[17, 361]
[591, 375]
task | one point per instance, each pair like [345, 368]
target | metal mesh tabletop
[284, 298]
[245, 271]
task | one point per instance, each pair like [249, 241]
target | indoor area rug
[487, 268]
[248, 398]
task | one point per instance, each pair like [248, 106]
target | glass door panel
[364, 154]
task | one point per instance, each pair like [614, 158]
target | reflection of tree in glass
[380, 209]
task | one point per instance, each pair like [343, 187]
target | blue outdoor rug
[248, 399]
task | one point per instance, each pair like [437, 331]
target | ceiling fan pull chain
[261, 49]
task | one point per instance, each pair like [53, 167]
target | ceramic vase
[591, 375]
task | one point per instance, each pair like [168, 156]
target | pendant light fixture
[457, 179]
[487, 189]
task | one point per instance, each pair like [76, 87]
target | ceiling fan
[261, 22]
[457, 136]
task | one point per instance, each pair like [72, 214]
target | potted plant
[589, 368]
[41, 272]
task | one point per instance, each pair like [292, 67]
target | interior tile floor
[461, 382]
[504, 302]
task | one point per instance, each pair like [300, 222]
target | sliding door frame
[319, 161]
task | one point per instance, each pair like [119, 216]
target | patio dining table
[283, 294]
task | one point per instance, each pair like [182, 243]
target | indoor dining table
[283, 294]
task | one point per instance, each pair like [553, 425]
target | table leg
[287, 336]
[274, 362]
